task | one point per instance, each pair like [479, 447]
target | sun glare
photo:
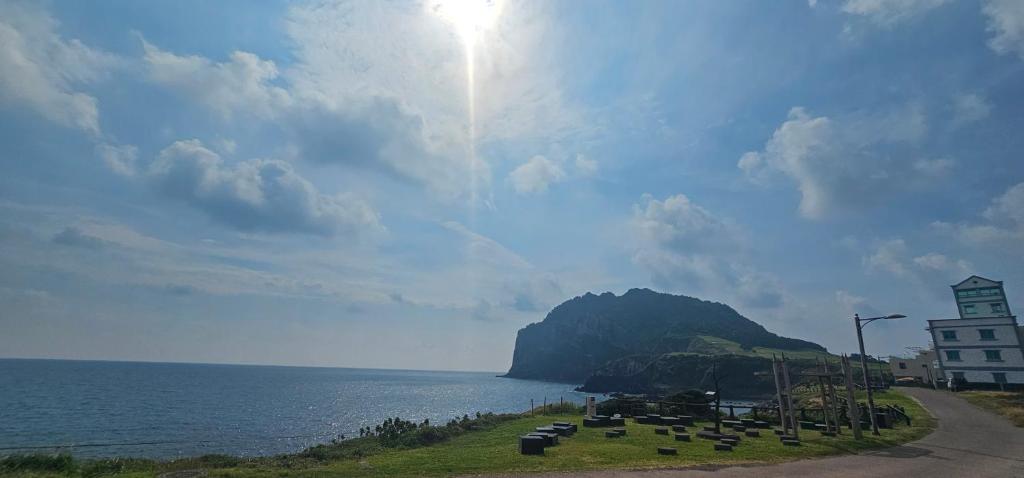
[468, 17]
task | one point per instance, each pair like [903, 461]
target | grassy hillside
[494, 450]
[708, 345]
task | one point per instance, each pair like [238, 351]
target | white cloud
[893, 256]
[242, 84]
[969, 108]
[934, 167]
[119, 158]
[256, 195]
[1001, 225]
[43, 71]
[887, 13]
[1006, 23]
[842, 163]
[585, 167]
[687, 248]
[535, 175]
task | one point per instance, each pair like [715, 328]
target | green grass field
[495, 451]
[1008, 404]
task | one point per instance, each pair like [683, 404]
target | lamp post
[864, 364]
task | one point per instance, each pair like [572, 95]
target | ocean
[97, 409]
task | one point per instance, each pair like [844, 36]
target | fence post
[531, 407]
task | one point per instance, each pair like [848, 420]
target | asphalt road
[968, 442]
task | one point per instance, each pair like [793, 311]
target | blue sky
[320, 183]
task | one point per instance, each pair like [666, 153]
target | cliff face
[634, 338]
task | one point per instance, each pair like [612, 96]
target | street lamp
[864, 364]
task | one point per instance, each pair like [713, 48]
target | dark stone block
[620, 430]
[709, 435]
[531, 445]
[661, 431]
[664, 450]
[748, 422]
[612, 434]
[550, 439]
[669, 421]
[562, 431]
[723, 447]
[739, 428]
[678, 428]
[820, 426]
[544, 429]
[779, 432]
[709, 428]
[807, 425]
[641, 419]
[592, 423]
[685, 420]
[617, 422]
[786, 437]
[762, 424]
[791, 442]
[752, 433]
[561, 424]
[826, 433]
[682, 437]
[730, 441]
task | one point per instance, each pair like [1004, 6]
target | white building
[983, 346]
[923, 368]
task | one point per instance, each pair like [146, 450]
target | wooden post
[778, 393]
[851, 403]
[545, 412]
[789, 398]
[832, 396]
[531, 407]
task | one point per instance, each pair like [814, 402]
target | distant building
[923, 368]
[983, 346]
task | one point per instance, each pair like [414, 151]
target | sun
[469, 18]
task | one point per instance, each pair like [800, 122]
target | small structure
[665, 450]
[723, 447]
[922, 368]
[682, 437]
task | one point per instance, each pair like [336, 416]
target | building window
[903, 365]
[949, 335]
[999, 377]
[983, 292]
[997, 307]
[987, 334]
[993, 356]
[953, 355]
[969, 309]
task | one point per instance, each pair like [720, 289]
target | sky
[405, 184]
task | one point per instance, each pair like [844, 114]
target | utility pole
[832, 396]
[867, 377]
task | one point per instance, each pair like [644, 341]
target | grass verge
[1007, 404]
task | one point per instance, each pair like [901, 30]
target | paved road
[968, 442]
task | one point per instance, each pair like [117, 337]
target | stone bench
[531, 445]
[739, 428]
[807, 425]
[641, 419]
[664, 450]
[723, 447]
[709, 428]
[709, 435]
[779, 432]
[562, 431]
[612, 434]
[594, 423]
[620, 430]
[791, 442]
[571, 425]
[550, 439]
[617, 421]
[679, 428]
[682, 437]
[669, 421]
[752, 433]
[661, 431]
[761, 424]
[730, 441]
[544, 429]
